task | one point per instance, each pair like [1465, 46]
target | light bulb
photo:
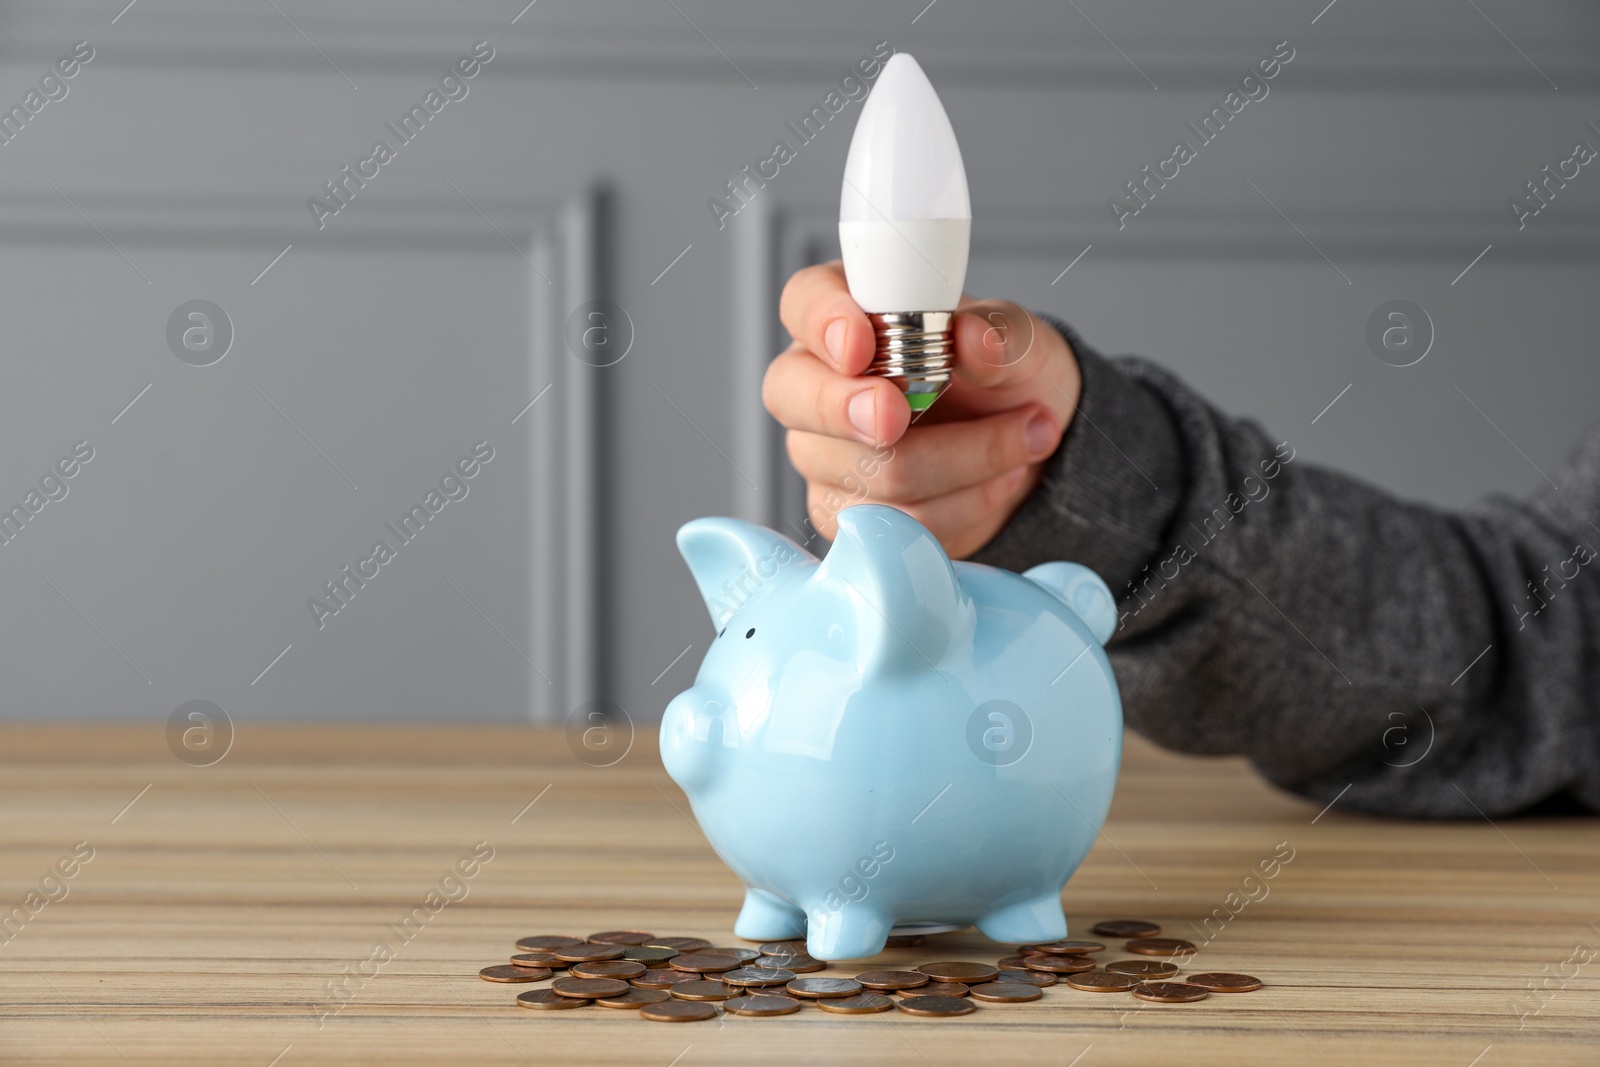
[904, 226]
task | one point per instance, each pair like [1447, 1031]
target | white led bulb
[905, 223]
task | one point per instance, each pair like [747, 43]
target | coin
[607, 969]
[634, 998]
[800, 964]
[743, 955]
[589, 953]
[939, 1007]
[537, 962]
[1102, 982]
[1125, 928]
[504, 972]
[957, 971]
[1069, 948]
[860, 1004]
[535, 974]
[1059, 964]
[935, 989]
[892, 979]
[649, 954]
[905, 941]
[1026, 977]
[703, 989]
[762, 1004]
[662, 978]
[703, 962]
[589, 988]
[823, 987]
[548, 1001]
[783, 948]
[1221, 982]
[1142, 968]
[1006, 992]
[682, 944]
[538, 941]
[622, 937]
[677, 1011]
[758, 976]
[1013, 962]
[1161, 946]
[1168, 992]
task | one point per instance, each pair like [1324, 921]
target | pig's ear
[910, 610]
[1082, 590]
[722, 550]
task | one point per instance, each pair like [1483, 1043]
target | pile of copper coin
[687, 979]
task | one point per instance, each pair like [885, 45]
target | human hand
[961, 468]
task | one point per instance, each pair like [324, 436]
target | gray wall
[428, 313]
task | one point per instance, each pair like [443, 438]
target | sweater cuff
[1108, 495]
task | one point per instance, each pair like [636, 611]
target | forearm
[1313, 623]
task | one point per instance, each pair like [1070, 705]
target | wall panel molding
[1201, 229]
[1431, 46]
[567, 245]
[767, 248]
[571, 595]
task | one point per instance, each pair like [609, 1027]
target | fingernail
[994, 338]
[863, 407]
[833, 341]
[1040, 435]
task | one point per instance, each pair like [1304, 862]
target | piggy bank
[884, 737]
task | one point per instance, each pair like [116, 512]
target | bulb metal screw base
[915, 349]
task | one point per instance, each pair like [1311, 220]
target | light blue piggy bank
[884, 737]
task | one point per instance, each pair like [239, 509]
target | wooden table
[221, 902]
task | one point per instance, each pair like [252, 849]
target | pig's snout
[692, 738]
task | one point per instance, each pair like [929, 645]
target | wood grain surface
[222, 903]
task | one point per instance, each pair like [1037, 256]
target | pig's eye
[722, 631]
[750, 633]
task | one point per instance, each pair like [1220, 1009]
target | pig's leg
[853, 932]
[766, 918]
[1037, 919]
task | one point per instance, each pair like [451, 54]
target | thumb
[1006, 356]
[1000, 344]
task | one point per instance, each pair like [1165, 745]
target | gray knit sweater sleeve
[1404, 659]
